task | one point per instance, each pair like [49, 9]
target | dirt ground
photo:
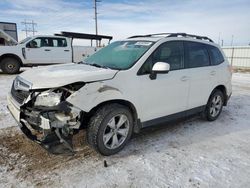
[17, 152]
[191, 153]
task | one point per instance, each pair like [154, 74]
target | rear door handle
[66, 50]
[184, 78]
[212, 73]
[47, 50]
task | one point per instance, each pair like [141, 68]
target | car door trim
[173, 117]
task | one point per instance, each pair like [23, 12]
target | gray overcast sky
[122, 18]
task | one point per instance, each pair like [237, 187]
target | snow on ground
[5, 118]
[192, 153]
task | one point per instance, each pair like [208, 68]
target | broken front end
[45, 116]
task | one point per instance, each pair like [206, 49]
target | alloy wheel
[116, 131]
[216, 105]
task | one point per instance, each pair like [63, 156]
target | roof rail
[149, 35]
[189, 35]
[175, 35]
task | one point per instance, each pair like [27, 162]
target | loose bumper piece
[54, 142]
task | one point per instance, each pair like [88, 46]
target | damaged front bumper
[54, 135]
[54, 142]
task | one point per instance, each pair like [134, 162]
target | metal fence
[238, 56]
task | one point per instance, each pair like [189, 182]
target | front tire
[110, 128]
[10, 65]
[214, 105]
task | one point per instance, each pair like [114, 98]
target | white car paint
[59, 75]
[125, 77]
[170, 93]
[38, 55]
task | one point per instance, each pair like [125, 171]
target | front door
[39, 51]
[168, 93]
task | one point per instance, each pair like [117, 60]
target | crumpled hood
[60, 75]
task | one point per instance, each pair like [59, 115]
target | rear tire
[10, 65]
[214, 105]
[110, 128]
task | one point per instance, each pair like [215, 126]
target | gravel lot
[193, 153]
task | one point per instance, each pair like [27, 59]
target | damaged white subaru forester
[128, 85]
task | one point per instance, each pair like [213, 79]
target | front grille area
[19, 95]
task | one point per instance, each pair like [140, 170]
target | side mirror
[159, 68]
[28, 45]
[32, 44]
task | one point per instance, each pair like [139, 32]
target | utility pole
[29, 27]
[96, 23]
[232, 41]
[219, 38]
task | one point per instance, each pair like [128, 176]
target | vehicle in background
[128, 85]
[8, 34]
[46, 50]
[6, 39]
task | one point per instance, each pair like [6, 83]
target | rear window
[215, 55]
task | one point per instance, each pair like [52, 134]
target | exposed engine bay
[49, 119]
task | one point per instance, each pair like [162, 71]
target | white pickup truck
[42, 50]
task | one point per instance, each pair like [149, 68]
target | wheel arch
[223, 89]
[123, 102]
[11, 56]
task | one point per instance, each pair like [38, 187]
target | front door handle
[47, 50]
[184, 78]
[66, 50]
[212, 73]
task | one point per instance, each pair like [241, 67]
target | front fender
[93, 94]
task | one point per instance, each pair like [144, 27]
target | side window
[215, 55]
[169, 52]
[2, 42]
[46, 42]
[35, 43]
[196, 55]
[59, 42]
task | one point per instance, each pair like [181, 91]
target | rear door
[61, 51]
[200, 73]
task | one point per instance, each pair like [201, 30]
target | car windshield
[120, 55]
[24, 40]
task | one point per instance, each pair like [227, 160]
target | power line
[29, 27]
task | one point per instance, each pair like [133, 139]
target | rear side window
[196, 55]
[215, 55]
[46, 42]
[59, 42]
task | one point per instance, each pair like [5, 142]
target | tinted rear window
[215, 55]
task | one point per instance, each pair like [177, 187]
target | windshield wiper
[99, 66]
[95, 65]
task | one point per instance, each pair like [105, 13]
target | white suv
[128, 85]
